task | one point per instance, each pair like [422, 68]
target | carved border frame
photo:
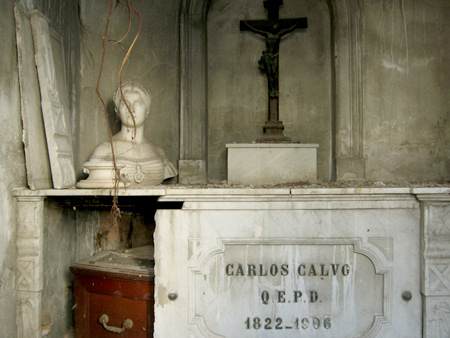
[347, 88]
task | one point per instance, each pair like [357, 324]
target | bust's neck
[129, 134]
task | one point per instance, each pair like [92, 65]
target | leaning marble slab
[55, 109]
[37, 163]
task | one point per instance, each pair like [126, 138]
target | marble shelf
[172, 190]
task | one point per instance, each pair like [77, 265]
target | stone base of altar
[271, 163]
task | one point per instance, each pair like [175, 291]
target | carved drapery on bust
[140, 162]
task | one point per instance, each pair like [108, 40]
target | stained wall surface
[406, 76]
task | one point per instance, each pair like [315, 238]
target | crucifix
[272, 30]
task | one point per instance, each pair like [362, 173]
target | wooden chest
[114, 294]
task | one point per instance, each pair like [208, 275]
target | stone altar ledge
[227, 190]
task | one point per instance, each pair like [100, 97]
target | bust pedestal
[271, 163]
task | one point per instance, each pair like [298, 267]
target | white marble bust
[141, 162]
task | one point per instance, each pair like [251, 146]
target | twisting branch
[127, 55]
[128, 28]
[115, 209]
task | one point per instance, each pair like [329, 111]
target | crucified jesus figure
[272, 30]
[268, 62]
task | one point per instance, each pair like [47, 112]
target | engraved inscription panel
[288, 273]
[289, 288]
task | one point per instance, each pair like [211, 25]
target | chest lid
[135, 261]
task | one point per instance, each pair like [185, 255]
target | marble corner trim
[29, 265]
[435, 260]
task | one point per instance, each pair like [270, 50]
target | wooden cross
[272, 30]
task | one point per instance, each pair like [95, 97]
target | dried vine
[115, 210]
[127, 55]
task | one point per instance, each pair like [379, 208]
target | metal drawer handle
[104, 319]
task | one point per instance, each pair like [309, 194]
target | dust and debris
[308, 185]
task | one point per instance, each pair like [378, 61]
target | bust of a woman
[140, 161]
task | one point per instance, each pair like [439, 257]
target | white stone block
[37, 163]
[49, 59]
[268, 163]
[314, 270]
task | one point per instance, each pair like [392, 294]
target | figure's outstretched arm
[254, 30]
[287, 30]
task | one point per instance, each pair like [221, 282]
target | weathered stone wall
[12, 167]
[406, 85]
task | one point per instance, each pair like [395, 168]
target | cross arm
[250, 25]
[287, 23]
[264, 25]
